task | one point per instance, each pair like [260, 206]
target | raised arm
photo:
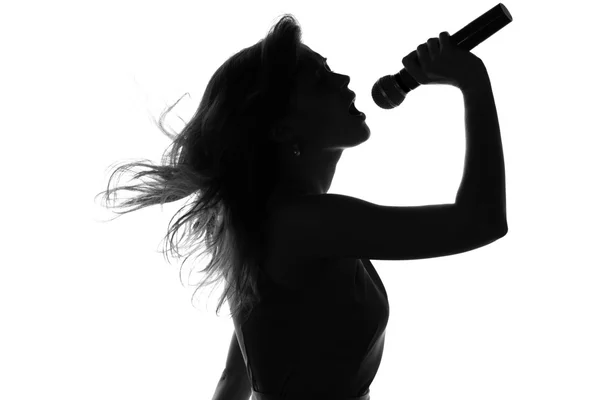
[482, 188]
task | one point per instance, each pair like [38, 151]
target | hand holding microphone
[446, 60]
[441, 62]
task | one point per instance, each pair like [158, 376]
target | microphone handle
[467, 38]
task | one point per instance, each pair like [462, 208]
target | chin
[367, 131]
[364, 135]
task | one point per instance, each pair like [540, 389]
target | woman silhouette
[258, 158]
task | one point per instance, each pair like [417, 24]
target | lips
[352, 107]
[353, 110]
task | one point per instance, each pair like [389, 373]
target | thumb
[413, 67]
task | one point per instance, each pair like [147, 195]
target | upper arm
[338, 226]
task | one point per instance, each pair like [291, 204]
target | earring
[296, 150]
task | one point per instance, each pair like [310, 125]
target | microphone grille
[386, 93]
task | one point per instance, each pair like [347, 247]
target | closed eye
[325, 66]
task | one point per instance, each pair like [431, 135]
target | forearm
[483, 184]
[233, 387]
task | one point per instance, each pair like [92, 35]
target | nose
[345, 81]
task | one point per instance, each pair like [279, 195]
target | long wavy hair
[225, 161]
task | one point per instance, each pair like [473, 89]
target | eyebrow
[318, 58]
[317, 62]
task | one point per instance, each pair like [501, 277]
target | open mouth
[353, 110]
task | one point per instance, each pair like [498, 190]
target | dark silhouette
[258, 158]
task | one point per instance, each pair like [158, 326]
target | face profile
[320, 124]
[321, 105]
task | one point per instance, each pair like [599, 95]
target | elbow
[503, 231]
[501, 226]
[505, 228]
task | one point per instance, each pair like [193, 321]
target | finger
[423, 53]
[433, 45]
[444, 38]
[411, 64]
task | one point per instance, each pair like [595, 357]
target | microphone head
[386, 93]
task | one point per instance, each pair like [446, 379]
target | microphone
[389, 91]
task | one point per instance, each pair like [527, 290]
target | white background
[92, 310]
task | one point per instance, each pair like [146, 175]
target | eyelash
[327, 68]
